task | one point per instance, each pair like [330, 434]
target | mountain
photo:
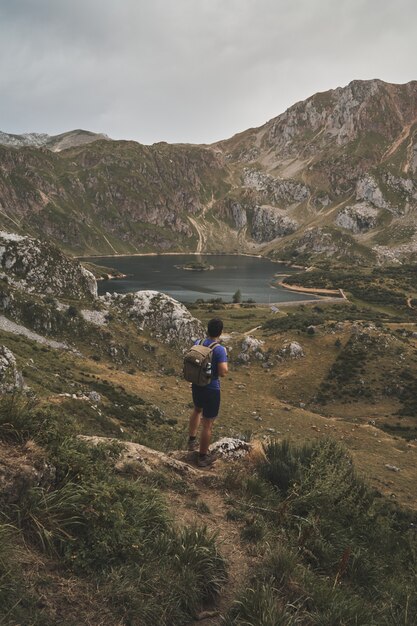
[334, 176]
[56, 143]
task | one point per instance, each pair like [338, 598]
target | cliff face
[342, 162]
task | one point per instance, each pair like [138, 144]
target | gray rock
[367, 189]
[393, 468]
[10, 377]
[292, 350]
[230, 448]
[94, 396]
[357, 218]
[36, 266]
[270, 222]
[165, 318]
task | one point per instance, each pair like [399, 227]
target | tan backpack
[197, 363]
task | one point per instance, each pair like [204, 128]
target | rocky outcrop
[407, 187]
[402, 253]
[320, 241]
[35, 266]
[367, 190]
[165, 318]
[268, 223]
[280, 191]
[292, 350]
[10, 377]
[239, 216]
[357, 218]
[251, 348]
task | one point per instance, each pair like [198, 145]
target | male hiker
[207, 399]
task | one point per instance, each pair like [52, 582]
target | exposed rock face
[357, 218]
[35, 266]
[367, 190]
[10, 377]
[164, 317]
[320, 241]
[269, 223]
[283, 192]
[239, 215]
[340, 116]
[405, 186]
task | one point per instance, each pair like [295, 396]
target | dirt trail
[240, 562]
[201, 230]
[396, 144]
[200, 233]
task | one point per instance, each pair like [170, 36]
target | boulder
[165, 318]
[251, 348]
[292, 350]
[10, 377]
[230, 448]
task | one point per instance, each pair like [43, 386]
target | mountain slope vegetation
[333, 176]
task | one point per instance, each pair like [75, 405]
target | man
[207, 399]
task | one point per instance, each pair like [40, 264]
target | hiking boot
[205, 461]
[193, 445]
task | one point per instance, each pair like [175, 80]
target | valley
[313, 520]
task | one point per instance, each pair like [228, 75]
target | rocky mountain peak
[55, 143]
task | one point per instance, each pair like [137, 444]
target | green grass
[337, 552]
[106, 528]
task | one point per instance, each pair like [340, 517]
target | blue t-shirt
[219, 356]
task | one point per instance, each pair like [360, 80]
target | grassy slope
[148, 376]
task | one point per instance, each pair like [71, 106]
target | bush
[337, 552]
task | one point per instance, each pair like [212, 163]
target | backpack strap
[211, 346]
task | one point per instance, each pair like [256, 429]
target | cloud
[188, 70]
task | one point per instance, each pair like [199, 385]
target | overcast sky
[189, 70]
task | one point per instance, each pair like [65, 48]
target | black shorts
[206, 399]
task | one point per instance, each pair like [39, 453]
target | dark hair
[215, 327]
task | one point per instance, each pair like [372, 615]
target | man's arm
[222, 369]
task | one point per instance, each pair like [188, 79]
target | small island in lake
[195, 267]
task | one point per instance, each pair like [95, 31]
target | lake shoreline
[155, 254]
[256, 276]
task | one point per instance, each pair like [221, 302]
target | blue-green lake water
[252, 275]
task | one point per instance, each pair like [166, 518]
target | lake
[252, 275]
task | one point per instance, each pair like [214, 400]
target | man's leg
[206, 435]
[195, 418]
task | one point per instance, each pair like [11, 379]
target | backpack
[197, 363]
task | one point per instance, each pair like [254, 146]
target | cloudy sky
[189, 70]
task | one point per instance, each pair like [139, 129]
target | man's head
[215, 327]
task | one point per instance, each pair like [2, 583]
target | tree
[237, 297]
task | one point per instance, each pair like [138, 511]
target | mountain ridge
[325, 178]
